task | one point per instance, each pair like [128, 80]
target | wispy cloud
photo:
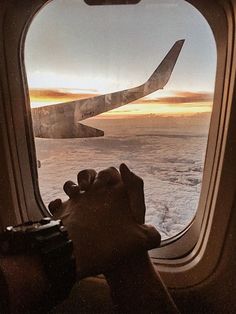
[182, 98]
[59, 95]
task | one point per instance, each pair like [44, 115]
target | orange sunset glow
[169, 102]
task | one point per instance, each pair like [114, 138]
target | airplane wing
[61, 120]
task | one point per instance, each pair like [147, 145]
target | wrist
[132, 266]
[136, 286]
[131, 275]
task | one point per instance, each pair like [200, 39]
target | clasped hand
[104, 216]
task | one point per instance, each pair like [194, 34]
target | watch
[49, 240]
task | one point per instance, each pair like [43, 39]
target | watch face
[32, 225]
[31, 235]
[27, 228]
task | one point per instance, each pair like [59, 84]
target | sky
[73, 51]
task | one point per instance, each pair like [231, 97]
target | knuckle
[54, 205]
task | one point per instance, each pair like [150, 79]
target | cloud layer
[177, 97]
[177, 102]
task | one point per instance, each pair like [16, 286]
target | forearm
[137, 288]
[24, 282]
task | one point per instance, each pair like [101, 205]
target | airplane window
[123, 83]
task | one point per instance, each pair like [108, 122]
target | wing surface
[64, 116]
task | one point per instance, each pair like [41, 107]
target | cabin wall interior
[217, 293]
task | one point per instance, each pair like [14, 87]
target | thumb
[153, 237]
[134, 188]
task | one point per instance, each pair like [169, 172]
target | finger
[86, 178]
[54, 206]
[109, 176]
[71, 189]
[153, 239]
[134, 187]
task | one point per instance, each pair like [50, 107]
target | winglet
[162, 74]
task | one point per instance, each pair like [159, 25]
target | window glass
[74, 51]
